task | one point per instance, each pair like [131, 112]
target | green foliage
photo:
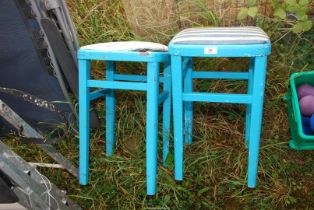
[251, 3]
[251, 11]
[291, 13]
[280, 13]
[204, 13]
[243, 13]
[302, 26]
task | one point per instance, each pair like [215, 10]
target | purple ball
[307, 105]
[304, 90]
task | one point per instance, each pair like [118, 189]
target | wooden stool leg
[84, 75]
[110, 110]
[176, 68]
[166, 113]
[188, 105]
[256, 118]
[152, 126]
[248, 106]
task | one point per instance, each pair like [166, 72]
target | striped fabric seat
[221, 36]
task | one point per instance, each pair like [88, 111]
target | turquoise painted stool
[151, 53]
[249, 42]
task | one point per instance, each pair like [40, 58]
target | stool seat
[127, 46]
[221, 36]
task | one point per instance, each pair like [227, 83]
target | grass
[216, 163]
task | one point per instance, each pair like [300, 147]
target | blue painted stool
[151, 53]
[250, 42]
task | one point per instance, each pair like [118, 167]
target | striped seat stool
[151, 53]
[247, 42]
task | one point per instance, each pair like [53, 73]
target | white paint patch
[127, 46]
[210, 50]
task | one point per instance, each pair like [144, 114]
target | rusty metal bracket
[25, 130]
[33, 100]
[33, 189]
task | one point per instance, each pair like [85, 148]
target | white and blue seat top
[126, 46]
[221, 36]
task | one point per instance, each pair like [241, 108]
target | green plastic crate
[299, 140]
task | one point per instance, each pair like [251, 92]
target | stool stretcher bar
[117, 85]
[220, 75]
[218, 97]
[103, 92]
[162, 97]
[98, 93]
[134, 78]
[130, 77]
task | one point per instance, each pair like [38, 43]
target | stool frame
[183, 95]
[114, 81]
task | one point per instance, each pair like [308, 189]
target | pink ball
[307, 105]
[304, 90]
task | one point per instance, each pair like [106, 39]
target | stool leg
[188, 105]
[152, 126]
[248, 107]
[176, 68]
[256, 118]
[84, 106]
[110, 110]
[166, 113]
